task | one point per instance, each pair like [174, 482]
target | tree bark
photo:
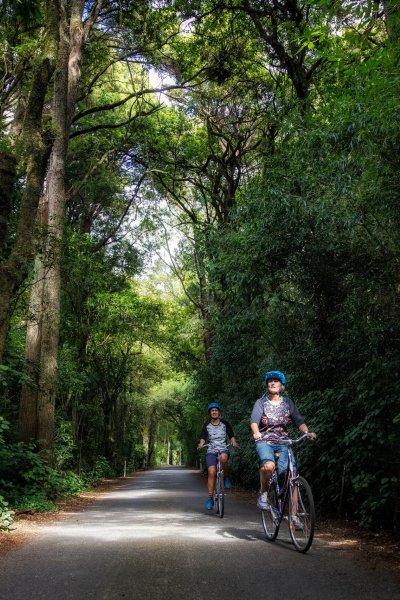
[72, 36]
[152, 438]
[28, 413]
[8, 172]
[55, 192]
[14, 268]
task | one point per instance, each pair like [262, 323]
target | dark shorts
[212, 459]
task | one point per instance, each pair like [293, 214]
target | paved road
[151, 539]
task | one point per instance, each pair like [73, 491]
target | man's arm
[231, 434]
[203, 437]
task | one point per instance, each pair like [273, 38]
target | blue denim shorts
[266, 451]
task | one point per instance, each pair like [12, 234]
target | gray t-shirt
[215, 435]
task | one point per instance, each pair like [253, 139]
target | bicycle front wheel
[270, 516]
[301, 514]
[220, 496]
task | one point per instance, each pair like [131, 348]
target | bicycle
[219, 490]
[295, 492]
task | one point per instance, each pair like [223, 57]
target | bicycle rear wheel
[301, 514]
[269, 517]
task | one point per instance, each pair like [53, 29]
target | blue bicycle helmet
[275, 375]
[213, 405]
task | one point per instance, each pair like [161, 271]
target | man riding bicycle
[272, 413]
[215, 431]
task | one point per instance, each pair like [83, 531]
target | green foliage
[304, 278]
[29, 483]
[6, 515]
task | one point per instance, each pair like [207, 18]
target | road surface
[151, 539]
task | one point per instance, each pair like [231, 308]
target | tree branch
[113, 125]
[112, 105]
[101, 243]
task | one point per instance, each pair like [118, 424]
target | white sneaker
[262, 501]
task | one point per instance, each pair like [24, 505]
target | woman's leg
[266, 472]
[266, 455]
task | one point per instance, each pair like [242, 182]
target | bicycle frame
[290, 477]
[219, 494]
[297, 494]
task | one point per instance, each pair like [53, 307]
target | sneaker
[262, 501]
[209, 504]
[296, 523]
[227, 483]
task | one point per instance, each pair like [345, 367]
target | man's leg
[211, 462]
[212, 476]
[224, 458]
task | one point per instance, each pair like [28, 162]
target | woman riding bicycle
[272, 413]
[215, 431]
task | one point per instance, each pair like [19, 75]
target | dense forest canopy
[193, 192]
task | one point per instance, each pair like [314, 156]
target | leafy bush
[6, 515]
[28, 482]
[101, 469]
[36, 502]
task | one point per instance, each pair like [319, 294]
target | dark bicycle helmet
[213, 405]
[275, 375]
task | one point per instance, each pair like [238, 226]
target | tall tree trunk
[8, 173]
[204, 304]
[152, 438]
[14, 268]
[55, 192]
[72, 35]
[43, 332]
[168, 451]
[36, 144]
[28, 412]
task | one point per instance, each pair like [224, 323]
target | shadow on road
[249, 535]
[253, 535]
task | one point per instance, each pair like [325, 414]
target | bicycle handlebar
[224, 450]
[290, 442]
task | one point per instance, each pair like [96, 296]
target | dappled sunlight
[143, 514]
[154, 526]
[342, 543]
[145, 492]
